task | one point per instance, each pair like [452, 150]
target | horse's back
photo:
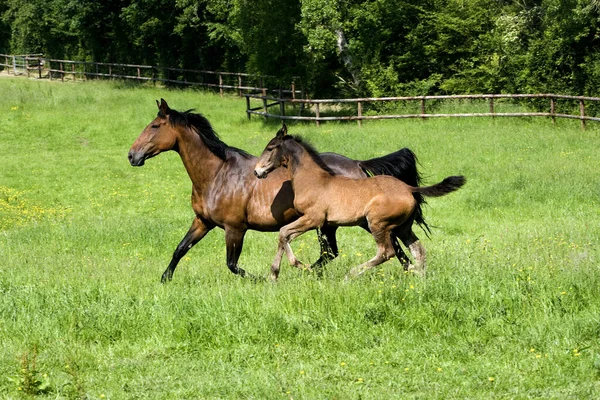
[343, 165]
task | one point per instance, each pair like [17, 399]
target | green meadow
[510, 307]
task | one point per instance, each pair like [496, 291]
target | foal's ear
[163, 107]
[282, 132]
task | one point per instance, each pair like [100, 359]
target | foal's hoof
[300, 265]
[412, 269]
[354, 272]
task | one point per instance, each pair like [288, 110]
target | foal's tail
[448, 185]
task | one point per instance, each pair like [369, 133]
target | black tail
[448, 185]
[402, 165]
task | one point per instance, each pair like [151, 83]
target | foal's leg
[385, 251]
[196, 232]
[286, 234]
[417, 250]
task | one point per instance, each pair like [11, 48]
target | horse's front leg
[196, 232]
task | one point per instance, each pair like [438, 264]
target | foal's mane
[189, 119]
[314, 154]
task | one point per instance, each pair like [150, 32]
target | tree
[269, 37]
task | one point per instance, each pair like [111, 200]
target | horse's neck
[200, 163]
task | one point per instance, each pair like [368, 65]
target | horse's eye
[155, 126]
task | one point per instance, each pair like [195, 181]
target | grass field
[510, 307]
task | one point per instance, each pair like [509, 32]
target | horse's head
[272, 156]
[157, 137]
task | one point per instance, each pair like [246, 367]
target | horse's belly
[271, 221]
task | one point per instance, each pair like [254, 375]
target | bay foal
[379, 204]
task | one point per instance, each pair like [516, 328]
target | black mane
[314, 154]
[204, 129]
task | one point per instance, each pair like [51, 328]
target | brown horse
[323, 198]
[227, 195]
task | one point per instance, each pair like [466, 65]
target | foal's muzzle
[260, 173]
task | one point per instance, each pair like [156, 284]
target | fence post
[62, 72]
[359, 114]
[492, 106]
[248, 107]
[294, 96]
[40, 68]
[582, 113]
[282, 107]
[423, 107]
[221, 85]
[317, 114]
[240, 85]
[264, 99]
[553, 110]
[14, 65]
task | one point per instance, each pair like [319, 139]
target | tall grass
[510, 307]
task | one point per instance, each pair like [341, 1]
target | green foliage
[29, 380]
[333, 47]
[270, 38]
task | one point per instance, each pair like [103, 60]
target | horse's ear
[163, 107]
[282, 131]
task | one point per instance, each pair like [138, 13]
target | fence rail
[35, 64]
[263, 110]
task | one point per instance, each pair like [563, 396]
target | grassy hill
[509, 309]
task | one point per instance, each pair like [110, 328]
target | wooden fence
[317, 106]
[35, 65]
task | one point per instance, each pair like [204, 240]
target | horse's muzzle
[136, 159]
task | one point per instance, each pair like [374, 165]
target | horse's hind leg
[400, 254]
[196, 232]
[385, 251]
[234, 240]
[417, 250]
[329, 249]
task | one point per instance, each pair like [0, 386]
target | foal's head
[157, 137]
[273, 155]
